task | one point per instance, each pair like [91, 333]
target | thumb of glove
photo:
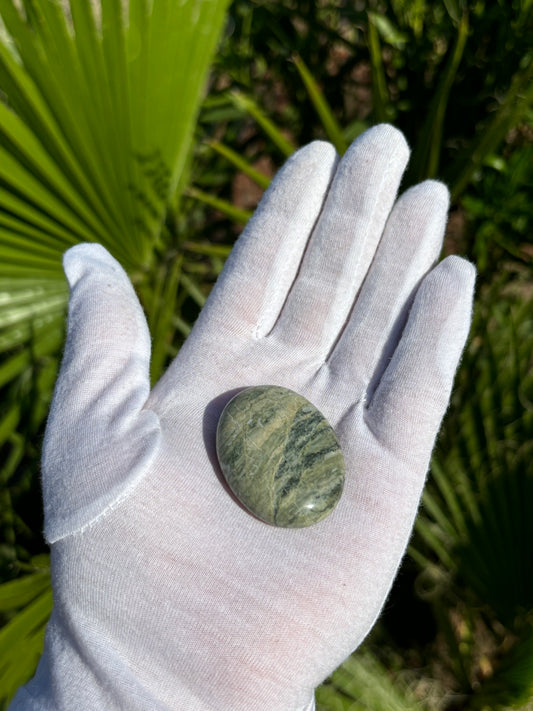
[99, 440]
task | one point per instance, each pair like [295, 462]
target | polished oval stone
[280, 456]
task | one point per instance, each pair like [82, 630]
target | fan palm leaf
[96, 120]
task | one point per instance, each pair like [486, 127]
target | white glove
[167, 593]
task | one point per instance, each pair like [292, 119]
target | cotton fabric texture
[167, 594]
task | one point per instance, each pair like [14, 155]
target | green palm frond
[96, 122]
[262, 180]
[476, 528]
[426, 157]
[362, 683]
[331, 126]
[475, 516]
[26, 604]
[248, 105]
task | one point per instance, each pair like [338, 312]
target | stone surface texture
[280, 456]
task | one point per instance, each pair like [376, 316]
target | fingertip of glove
[86, 257]
[425, 206]
[460, 270]
[386, 138]
[432, 191]
[451, 284]
[317, 152]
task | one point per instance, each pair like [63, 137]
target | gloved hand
[167, 593]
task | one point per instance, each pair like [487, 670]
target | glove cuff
[70, 676]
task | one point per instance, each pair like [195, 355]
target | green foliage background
[109, 132]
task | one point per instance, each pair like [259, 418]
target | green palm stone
[280, 456]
